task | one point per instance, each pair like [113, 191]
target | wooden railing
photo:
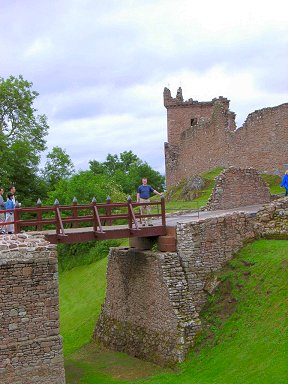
[97, 215]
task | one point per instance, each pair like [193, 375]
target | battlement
[178, 101]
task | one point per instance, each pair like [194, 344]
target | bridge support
[30, 344]
[166, 243]
[148, 310]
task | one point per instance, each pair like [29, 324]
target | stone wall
[272, 220]
[30, 344]
[205, 246]
[203, 135]
[153, 299]
[236, 187]
[148, 311]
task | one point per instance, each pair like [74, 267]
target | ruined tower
[203, 135]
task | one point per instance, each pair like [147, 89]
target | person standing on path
[284, 182]
[2, 206]
[143, 196]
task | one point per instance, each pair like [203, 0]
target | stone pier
[153, 299]
[30, 343]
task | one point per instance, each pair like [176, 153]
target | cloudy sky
[101, 66]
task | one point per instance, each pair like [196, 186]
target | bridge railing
[97, 215]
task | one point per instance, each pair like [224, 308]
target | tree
[127, 170]
[22, 134]
[58, 166]
[96, 167]
[84, 186]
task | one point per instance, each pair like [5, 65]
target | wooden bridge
[95, 221]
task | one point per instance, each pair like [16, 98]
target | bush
[73, 255]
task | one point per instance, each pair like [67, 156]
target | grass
[74, 255]
[246, 335]
[175, 203]
[273, 182]
[82, 291]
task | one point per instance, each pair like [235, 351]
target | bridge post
[75, 212]
[108, 210]
[16, 219]
[163, 210]
[56, 204]
[130, 218]
[39, 227]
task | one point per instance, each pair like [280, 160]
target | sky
[100, 67]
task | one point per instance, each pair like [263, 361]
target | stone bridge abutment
[30, 342]
[153, 299]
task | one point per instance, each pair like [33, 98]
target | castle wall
[212, 140]
[30, 344]
[261, 142]
[236, 187]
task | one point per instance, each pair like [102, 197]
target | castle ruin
[203, 135]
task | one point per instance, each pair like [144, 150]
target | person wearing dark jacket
[284, 182]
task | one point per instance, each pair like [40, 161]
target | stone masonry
[148, 311]
[236, 187]
[153, 299]
[30, 344]
[203, 135]
[272, 220]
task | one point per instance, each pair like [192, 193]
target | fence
[97, 215]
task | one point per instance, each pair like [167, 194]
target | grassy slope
[82, 291]
[248, 347]
[273, 182]
[175, 203]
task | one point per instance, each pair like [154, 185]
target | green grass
[246, 337]
[74, 255]
[273, 182]
[82, 291]
[176, 204]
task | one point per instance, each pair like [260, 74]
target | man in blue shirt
[143, 196]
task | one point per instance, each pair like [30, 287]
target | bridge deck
[76, 235]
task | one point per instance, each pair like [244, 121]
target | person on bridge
[284, 182]
[143, 196]
[2, 206]
[10, 215]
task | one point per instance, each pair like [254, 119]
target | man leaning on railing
[143, 196]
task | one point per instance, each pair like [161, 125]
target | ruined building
[203, 135]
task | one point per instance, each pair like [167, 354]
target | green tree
[127, 170]
[22, 135]
[96, 167]
[84, 186]
[58, 166]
